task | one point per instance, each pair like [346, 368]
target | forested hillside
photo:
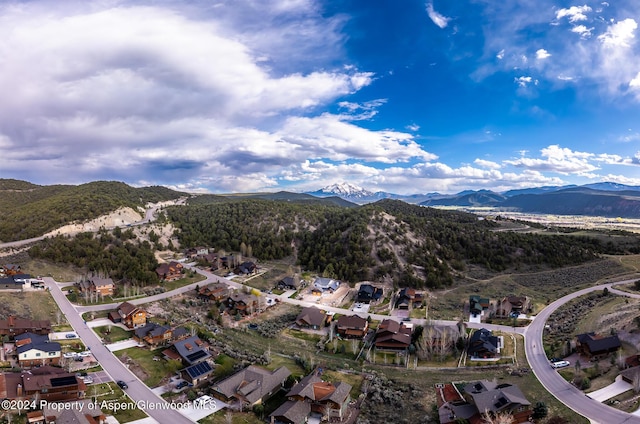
[118, 255]
[390, 239]
[27, 210]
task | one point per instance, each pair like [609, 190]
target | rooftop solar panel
[63, 381]
[199, 369]
[196, 355]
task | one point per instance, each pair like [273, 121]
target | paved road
[553, 382]
[137, 390]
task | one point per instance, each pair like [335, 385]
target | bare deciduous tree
[499, 418]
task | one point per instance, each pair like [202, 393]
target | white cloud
[574, 13]
[525, 81]
[500, 54]
[437, 18]
[487, 164]
[557, 159]
[582, 30]
[542, 54]
[620, 34]
[635, 82]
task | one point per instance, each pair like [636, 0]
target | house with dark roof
[130, 315]
[393, 335]
[35, 350]
[330, 400]
[478, 305]
[311, 318]
[591, 345]
[409, 298]
[171, 271]
[190, 350]
[251, 386]
[352, 326]
[289, 283]
[197, 373]
[12, 326]
[51, 384]
[368, 293]
[483, 344]
[475, 401]
[10, 269]
[246, 268]
[11, 284]
[153, 334]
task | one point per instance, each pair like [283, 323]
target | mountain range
[598, 199]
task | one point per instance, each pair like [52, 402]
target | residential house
[513, 306]
[12, 326]
[330, 400]
[180, 333]
[130, 315]
[246, 268]
[153, 334]
[35, 350]
[251, 386]
[198, 251]
[45, 383]
[171, 271]
[97, 285]
[591, 345]
[190, 351]
[28, 282]
[10, 269]
[197, 373]
[243, 303]
[409, 298]
[473, 402]
[483, 344]
[393, 335]
[352, 326]
[10, 284]
[291, 412]
[325, 285]
[84, 411]
[214, 292]
[478, 305]
[289, 283]
[368, 293]
[311, 318]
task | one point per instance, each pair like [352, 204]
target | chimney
[12, 320]
[19, 391]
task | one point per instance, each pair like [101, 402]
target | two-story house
[12, 326]
[130, 315]
[251, 386]
[170, 271]
[35, 350]
[352, 326]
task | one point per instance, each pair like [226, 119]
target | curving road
[565, 392]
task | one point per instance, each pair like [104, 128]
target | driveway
[618, 387]
[124, 344]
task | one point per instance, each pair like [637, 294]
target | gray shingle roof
[252, 383]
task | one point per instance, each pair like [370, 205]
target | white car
[70, 355]
[84, 354]
[560, 364]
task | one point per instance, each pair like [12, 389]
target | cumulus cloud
[542, 54]
[557, 159]
[574, 13]
[620, 34]
[437, 18]
[582, 30]
[525, 81]
[487, 164]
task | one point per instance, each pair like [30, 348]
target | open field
[37, 305]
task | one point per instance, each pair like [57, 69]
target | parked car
[182, 384]
[71, 336]
[122, 384]
[70, 354]
[560, 364]
[87, 380]
[85, 353]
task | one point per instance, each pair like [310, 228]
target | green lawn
[112, 333]
[188, 279]
[154, 371]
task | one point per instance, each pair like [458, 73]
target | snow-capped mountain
[346, 189]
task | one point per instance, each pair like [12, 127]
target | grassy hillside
[27, 210]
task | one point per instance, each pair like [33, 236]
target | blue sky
[246, 95]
